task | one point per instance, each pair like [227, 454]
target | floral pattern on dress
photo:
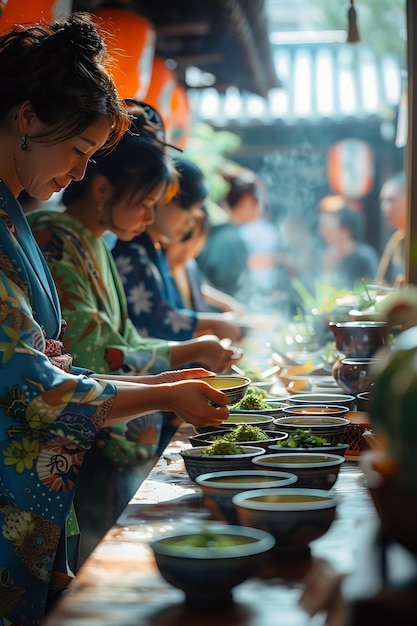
[49, 419]
[153, 301]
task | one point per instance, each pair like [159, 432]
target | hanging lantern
[350, 168]
[161, 89]
[30, 11]
[132, 45]
[180, 117]
[353, 31]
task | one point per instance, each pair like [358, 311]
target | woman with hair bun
[116, 196]
[59, 106]
[153, 300]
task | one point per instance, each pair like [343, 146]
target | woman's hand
[220, 325]
[174, 376]
[208, 351]
[193, 401]
[216, 356]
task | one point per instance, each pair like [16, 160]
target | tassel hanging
[353, 32]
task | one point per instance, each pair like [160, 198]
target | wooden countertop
[120, 585]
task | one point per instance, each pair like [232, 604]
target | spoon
[238, 370]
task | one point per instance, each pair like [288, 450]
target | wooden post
[411, 154]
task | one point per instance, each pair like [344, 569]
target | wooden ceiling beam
[184, 29]
[200, 58]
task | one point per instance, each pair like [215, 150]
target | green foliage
[208, 148]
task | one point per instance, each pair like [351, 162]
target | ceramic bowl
[355, 374]
[339, 449]
[362, 401]
[266, 422]
[324, 399]
[197, 463]
[234, 387]
[293, 516]
[315, 410]
[257, 402]
[275, 409]
[332, 428]
[264, 385]
[205, 439]
[219, 487]
[314, 470]
[224, 556]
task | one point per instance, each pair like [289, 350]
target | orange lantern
[350, 168]
[132, 45]
[30, 11]
[161, 89]
[180, 116]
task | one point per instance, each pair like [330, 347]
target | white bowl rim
[304, 406]
[304, 398]
[250, 416]
[283, 478]
[339, 421]
[194, 452]
[307, 450]
[240, 381]
[325, 499]
[264, 541]
[335, 459]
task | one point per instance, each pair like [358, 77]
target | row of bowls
[267, 499]
[342, 405]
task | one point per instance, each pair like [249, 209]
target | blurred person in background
[393, 203]
[346, 259]
[298, 257]
[193, 290]
[224, 260]
[154, 305]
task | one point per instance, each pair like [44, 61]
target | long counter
[120, 585]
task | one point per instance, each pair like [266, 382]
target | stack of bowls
[320, 420]
[218, 488]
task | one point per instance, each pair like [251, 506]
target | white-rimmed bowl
[219, 488]
[314, 470]
[324, 399]
[208, 571]
[331, 428]
[234, 387]
[293, 516]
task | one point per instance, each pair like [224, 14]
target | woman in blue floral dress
[58, 107]
[154, 304]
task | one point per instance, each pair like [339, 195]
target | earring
[23, 143]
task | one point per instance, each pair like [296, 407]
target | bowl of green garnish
[256, 403]
[303, 440]
[207, 562]
[248, 434]
[218, 456]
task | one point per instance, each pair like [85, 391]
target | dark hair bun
[193, 186]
